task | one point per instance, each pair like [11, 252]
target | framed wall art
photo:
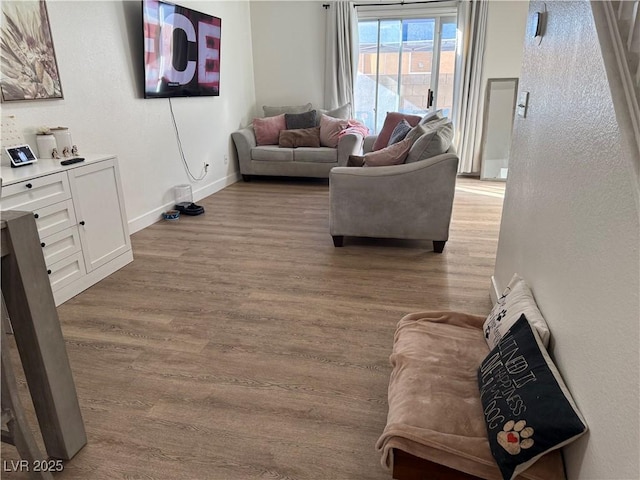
[29, 66]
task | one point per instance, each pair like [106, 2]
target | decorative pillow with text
[528, 409]
[516, 300]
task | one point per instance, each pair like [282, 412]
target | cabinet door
[99, 205]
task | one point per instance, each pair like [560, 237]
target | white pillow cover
[515, 300]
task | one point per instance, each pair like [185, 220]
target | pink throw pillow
[330, 128]
[268, 129]
[392, 155]
[393, 119]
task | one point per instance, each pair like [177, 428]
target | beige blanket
[434, 403]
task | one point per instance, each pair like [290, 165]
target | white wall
[99, 50]
[571, 228]
[289, 48]
[506, 23]
[288, 52]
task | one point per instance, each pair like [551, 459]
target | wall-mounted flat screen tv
[181, 51]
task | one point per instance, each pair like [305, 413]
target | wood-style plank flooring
[241, 344]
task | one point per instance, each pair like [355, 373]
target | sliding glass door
[404, 65]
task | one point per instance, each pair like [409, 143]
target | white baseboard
[151, 217]
[495, 291]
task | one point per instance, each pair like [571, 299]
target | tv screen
[181, 51]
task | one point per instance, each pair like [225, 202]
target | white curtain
[472, 22]
[341, 54]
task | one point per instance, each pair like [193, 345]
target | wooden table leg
[18, 431]
[33, 315]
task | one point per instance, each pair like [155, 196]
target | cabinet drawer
[60, 245]
[66, 271]
[55, 218]
[36, 193]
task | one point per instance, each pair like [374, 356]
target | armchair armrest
[245, 140]
[412, 201]
[349, 144]
[369, 140]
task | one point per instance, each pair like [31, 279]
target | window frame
[441, 11]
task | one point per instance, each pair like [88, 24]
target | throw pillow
[393, 155]
[267, 130]
[528, 409]
[399, 132]
[300, 137]
[390, 123]
[330, 128]
[435, 141]
[273, 111]
[300, 120]
[516, 300]
[431, 116]
[343, 112]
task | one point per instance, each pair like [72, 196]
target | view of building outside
[395, 67]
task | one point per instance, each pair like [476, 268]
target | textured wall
[571, 227]
[99, 51]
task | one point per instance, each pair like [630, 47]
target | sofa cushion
[330, 128]
[300, 137]
[528, 409]
[315, 155]
[390, 122]
[273, 111]
[300, 120]
[272, 154]
[435, 140]
[399, 132]
[267, 130]
[343, 112]
[392, 155]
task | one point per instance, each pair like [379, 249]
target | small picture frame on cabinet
[21, 155]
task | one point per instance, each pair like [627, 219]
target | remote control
[69, 161]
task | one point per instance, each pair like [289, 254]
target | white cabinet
[80, 215]
[101, 220]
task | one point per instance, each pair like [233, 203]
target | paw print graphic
[515, 436]
[501, 315]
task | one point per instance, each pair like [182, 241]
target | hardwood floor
[240, 344]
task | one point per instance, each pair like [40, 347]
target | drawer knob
[48, 272]
[82, 222]
[35, 215]
[43, 244]
[28, 185]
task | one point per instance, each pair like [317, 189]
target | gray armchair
[408, 201]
